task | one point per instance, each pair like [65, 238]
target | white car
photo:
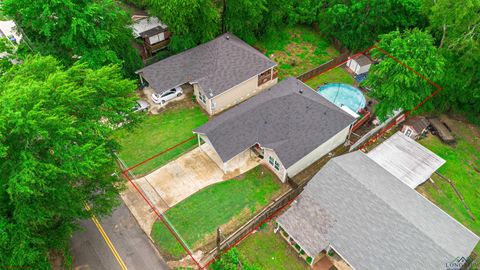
[141, 106]
[167, 95]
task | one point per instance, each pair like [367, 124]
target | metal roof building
[406, 159]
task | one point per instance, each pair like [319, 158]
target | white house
[289, 127]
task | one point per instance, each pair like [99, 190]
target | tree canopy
[392, 84]
[95, 31]
[191, 22]
[358, 23]
[56, 153]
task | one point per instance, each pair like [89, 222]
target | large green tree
[56, 153]
[191, 21]
[457, 27]
[95, 31]
[357, 23]
[244, 18]
[395, 86]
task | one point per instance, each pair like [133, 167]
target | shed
[406, 159]
[360, 64]
[415, 127]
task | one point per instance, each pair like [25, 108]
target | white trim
[343, 258]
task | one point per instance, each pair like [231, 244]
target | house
[360, 64]
[406, 159]
[223, 72]
[288, 127]
[153, 33]
[415, 127]
[364, 218]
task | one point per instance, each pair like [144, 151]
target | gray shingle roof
[281, 118]
[406, 159]
[373, 220]
[216, 66]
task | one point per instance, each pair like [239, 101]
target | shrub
[309, 260]
[263, 226]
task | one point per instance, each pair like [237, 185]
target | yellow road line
[107, 240]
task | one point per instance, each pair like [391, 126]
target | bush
[309, 260]
[297, 247]
[331, 252]
[263, 226]
[302, 252]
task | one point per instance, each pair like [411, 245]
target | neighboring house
[360, 64]
[153, 33]
[8, 30]
[364, 218]
[288, 126]
[223, 72]
[415, 127]
[406, 159]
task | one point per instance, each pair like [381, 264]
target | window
[277, 165]
[271, 160]
[202, 98]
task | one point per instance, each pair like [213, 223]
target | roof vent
[300, 91]
[227, 37]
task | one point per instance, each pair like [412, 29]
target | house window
[271, 160]
[277, 165]
[202, 97]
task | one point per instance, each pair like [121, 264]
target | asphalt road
[91, 252]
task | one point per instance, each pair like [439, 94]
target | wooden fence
[324, 67]
[266, 214]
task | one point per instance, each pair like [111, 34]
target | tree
[244, 17]
[96, 31]
[393, 85]
[358, 23]
[56, 153]
[191, 21]
[457, 25]
[7, 54]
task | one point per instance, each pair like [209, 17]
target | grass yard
[226, 204]
[296, 50]
[336, 75]
[157, 133]
[463, 168]
[269, 251]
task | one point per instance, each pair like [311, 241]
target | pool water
[343, 94]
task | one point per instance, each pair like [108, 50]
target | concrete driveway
[189, 173]
[172, 183]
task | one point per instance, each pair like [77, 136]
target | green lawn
[336, 75]
[157, 133]
[296, 50]
[462, 167]
[226, 204]
[269, 251]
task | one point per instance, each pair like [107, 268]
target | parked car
[167, 95]
[141, 106]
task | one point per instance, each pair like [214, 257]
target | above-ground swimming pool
[343, 94]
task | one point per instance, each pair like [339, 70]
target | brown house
[152, 32]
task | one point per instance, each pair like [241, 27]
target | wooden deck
[442, 130]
